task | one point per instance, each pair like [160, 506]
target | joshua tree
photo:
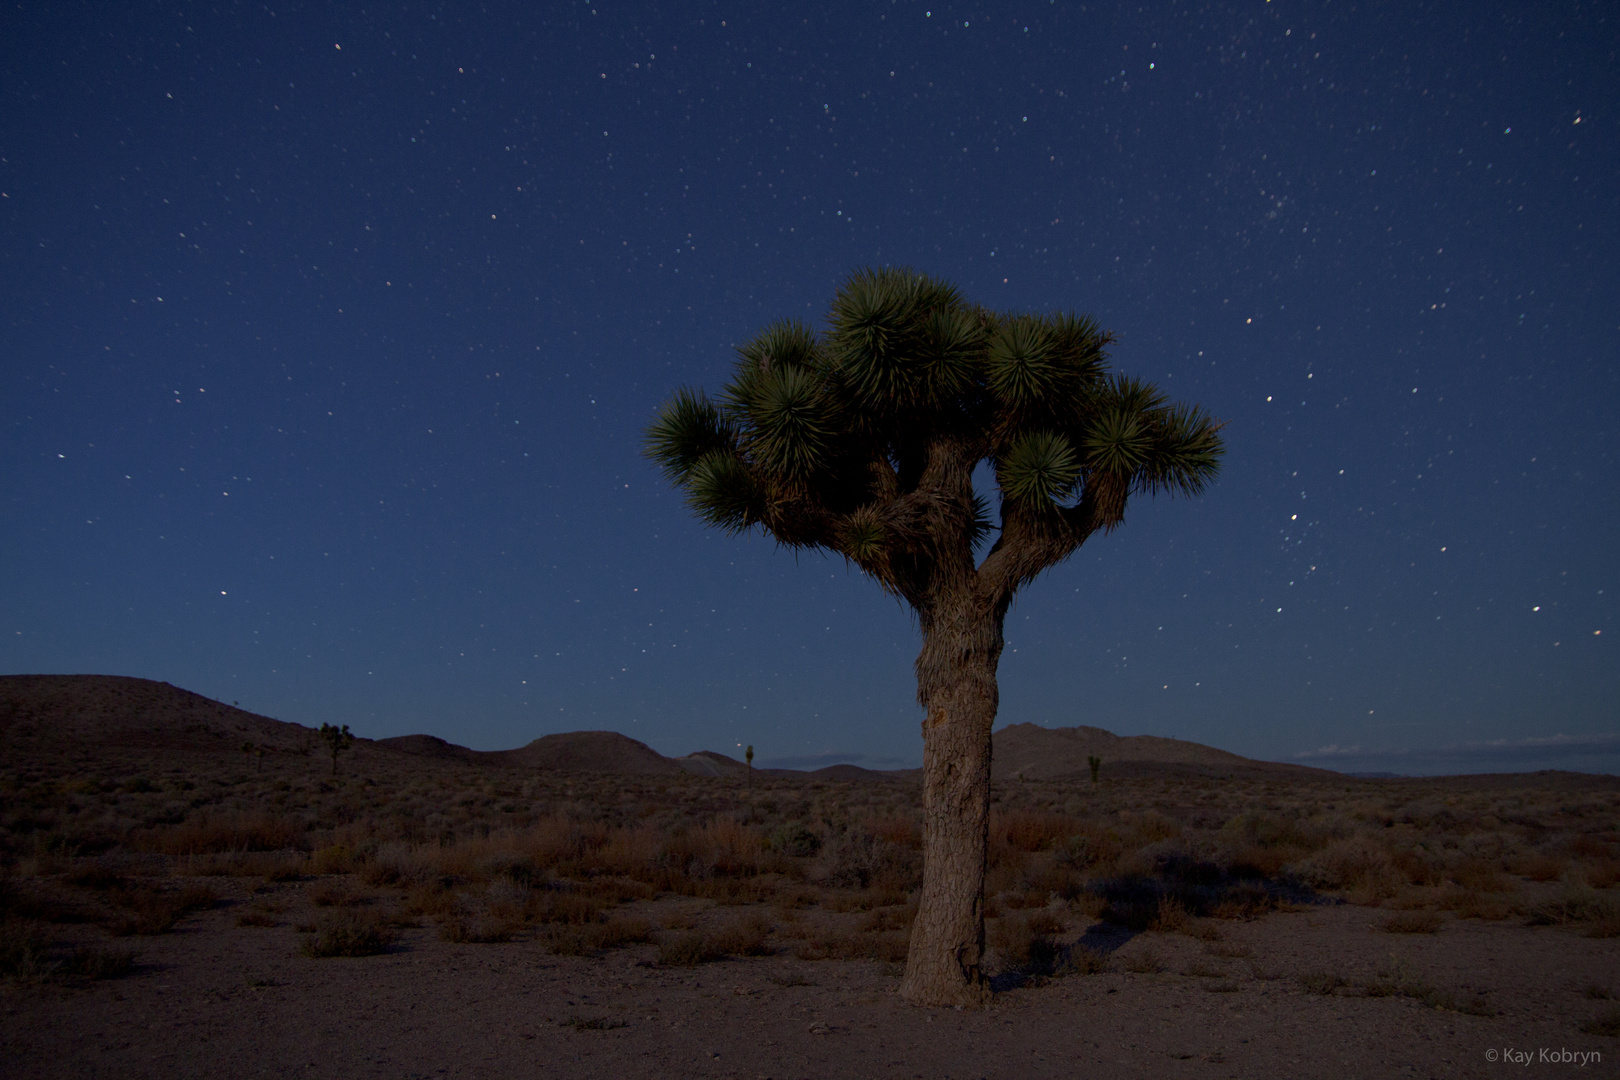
[1096, 766]
[863, 441]
[338, 740]
[748, 756]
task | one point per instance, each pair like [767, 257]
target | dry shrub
[720, 848]
[270, 865]
[24, 951]
[1173, 917]
[1229, 951]
[1322, 982]
[336, 859]
[399, 863]
[432, 900]
[1025, 941]
[837, 945]
[678, 920]
[1252, 860]
[1052, 877]
[745, 938]
[1143, 961]
[1602, 873]
[1575, 904]
[476, 930]
[889, 918]
[349, 933]
[687, 950]
[1031, 830]
[229, 833]
[859, 859]
[617, 890]
[1359, 864]
[256, 917]
[794, 840]
[793, 897]
[565, 907]
[25, 955]
[1480, 876]
[337, 894]
[589, 939]
[729, 892]
[151, 911]
[1587, 846]
[632, 853]
[1029, 898]
[1468, 904]
[1083, 960]
[96, 963]
[1090, 846]
[96, 876]
[905, 831]
[845, 900]
[1540, 867]
[1414, 867]
[1414, 922]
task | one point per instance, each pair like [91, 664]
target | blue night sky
[330, 331]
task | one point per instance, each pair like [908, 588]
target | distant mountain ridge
[143, 714]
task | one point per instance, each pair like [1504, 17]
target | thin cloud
[1601, 745]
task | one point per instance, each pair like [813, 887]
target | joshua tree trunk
[956, 682]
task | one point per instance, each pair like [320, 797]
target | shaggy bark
[956, 682]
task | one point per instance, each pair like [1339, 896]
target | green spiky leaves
[1039, 468]
[688, 428]
[901, 339]
[1118, 442]
[1188, 452]
[723, 493]
[788, 419]
[864, 537]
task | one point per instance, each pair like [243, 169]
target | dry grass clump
[1602, 873]
[588, 939]
[27, 955]
[1414, 922]
[1143, 961]
[205, 835]
[1027, 942]
[1322, 982]
[1083, 960]
[349, 933]
[843, 945]
[1538, 866]
[146, 910]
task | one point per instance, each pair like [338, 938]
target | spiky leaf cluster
[863, 439]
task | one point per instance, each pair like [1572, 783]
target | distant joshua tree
[863, 441]
[1096, 766]
[337, 740]
[748, 756]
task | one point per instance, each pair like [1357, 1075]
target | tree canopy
[862, 440]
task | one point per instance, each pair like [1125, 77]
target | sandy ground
[214, 999]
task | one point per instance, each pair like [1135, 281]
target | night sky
[329, 334]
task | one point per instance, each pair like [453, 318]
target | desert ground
[187, 889]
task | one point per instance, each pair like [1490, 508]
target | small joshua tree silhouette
[748, 756]
[1096, 764]
[338, 740]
